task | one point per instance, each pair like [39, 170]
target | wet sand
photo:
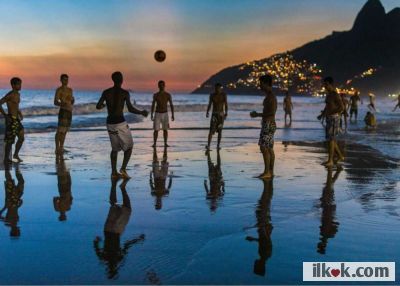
[237, 230]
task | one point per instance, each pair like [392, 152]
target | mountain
[367, 57]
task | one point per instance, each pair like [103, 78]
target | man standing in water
[288, 107]
[268, 126]
[219, 102]
[13, 119]
[371, 104]
[332, 112]
[398, 103]
[65, 100]
[354, 105]
[160, 104]
[118, 130]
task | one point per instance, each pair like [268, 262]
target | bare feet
[124, 174]
[116, 175]
[328, 164]
[166, 145]
[154, 145]
[265, 176]
[16, 157]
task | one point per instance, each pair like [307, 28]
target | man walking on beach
[160, 105]
[120, 135]
[13, 119]
[354, 105]
[288, 107]
[219, 103]
[65, 100]
[332, 112]
[268, 126]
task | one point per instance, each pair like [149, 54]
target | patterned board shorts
[217, 122]
[332, 128]
[268, 129]
[64, 120]
[13, 128]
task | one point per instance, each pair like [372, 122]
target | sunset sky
[90, 39]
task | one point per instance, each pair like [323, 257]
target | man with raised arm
[160, 106]
[115, 99]
[65, 100]
[13, 119]
[218, 101]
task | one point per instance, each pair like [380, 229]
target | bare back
[115, 101]
[161, 99]
[218, 101]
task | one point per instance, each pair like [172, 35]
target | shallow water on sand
[241, 231]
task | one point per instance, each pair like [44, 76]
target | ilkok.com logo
[349, 271]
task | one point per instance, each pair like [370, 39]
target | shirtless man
[160, 105]
[120, 135]
[288, 107]
[345, 114]
[65, 100]
[333, 109]
[354, 105]
[268, 126]
[219, 102]
[14, 117]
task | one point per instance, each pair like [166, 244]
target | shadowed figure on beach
[217, 184]
[63, 202]
[13, 201]
[115, 99]
[158, 178]
[113, 254]
[288, 108]
[264, 228]
[329, 225]
[219, 102]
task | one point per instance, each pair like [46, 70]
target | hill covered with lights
[367, 58]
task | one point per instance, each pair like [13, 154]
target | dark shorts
[268, 129]
[353, 111]
[64, 120]
[288, 111]
[13, 128]
[217, 122]
[332, 127]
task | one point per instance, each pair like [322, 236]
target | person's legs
[209, 140]
[127, 157]
[331, 151]
[219, 139]
[290, 118]
[155, 136]
[165, 133]
[62, 140]
[18, 145]
[7, 152]
[57, 141]
[114, 157]
[272, 160]
[338, 152]
[267, 163]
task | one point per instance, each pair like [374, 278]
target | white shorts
[161, 119]
[120, 136]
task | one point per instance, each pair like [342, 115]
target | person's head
[218, 87]
[117, 78]
[64, 79]
[161, 85]
[266, 83]
[328, 83]
[16, 83]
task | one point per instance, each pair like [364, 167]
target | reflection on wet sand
[13, 201]
[158, 178]
[264, 228]
[329, 225]
[217, 185]
[112, 254]
[63, 202]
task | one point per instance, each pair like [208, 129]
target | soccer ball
[160, 56]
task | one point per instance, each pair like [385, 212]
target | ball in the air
[160, 56]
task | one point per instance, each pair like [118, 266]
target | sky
[90, 39]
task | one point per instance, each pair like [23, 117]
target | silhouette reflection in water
[217, 185]
[264, 228]
[63, 202]
[329, 225]
[158, 178]
[112, 254]
[13, 201]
